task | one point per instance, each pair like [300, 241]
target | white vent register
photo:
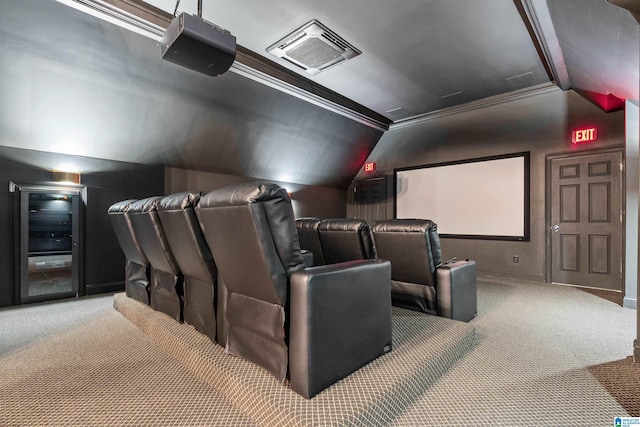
[313, 47]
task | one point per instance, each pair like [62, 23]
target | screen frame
[526, 155]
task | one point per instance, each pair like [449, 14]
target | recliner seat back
[136, 275]
[194, 258]
[184, 235]
[124, 232]
[143, 215]
[166, 278]
[310, 239]
[346, 239]
[251, 232]
[413, 247]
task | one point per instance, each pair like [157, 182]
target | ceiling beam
[477, 105]
[539, 17]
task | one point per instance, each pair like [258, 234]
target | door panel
[570, 203]
[570, 252]
[600, 202]
[586, 219]
[599, 254]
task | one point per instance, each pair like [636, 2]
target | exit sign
[584, 135]
[370, 166]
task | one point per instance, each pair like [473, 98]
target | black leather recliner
[136, 275]
[413, 247]
[310, 239]
[346, 239]
[166, 279]
[194, 258]
[320, 323]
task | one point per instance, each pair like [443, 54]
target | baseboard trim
[630, 303]
[508, 275]
[104, 288]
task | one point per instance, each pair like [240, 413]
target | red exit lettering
[584, 135]
[370, 166]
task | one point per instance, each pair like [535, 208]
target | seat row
[420, 280]
[229, 263]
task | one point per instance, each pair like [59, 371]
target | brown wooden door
[586, 220]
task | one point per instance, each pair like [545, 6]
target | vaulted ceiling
[73, 83]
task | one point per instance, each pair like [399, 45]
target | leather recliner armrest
[307, 257]
[340, 320]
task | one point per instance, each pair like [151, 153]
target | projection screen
[484, 198]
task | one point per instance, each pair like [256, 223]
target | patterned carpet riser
[425, 347]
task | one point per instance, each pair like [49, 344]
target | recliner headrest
[342, 224]
[180, 201]
[406, 225]
[120, 207]
[145, 205]
[308, 223]
[243, 194]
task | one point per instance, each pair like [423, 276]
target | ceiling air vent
[313, 47]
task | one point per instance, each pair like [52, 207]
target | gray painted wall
[307, 200]
[541, 123]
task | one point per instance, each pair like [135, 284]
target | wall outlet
[516, 259]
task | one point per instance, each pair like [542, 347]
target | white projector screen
[485, 198]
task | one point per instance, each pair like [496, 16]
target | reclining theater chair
[166, 279]
[346, 239]
[310, 239]
[413, 247]
[419, 280]
[194, 258]
[320, 323]
[136, 275]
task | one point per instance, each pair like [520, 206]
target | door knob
[556, 228]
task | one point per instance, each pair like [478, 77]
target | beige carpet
[105, 373]
[538, 361]
[424, 347]
[535, 342]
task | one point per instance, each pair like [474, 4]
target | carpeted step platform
[424, 348]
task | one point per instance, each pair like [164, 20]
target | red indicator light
[584, 135]
[370, 166]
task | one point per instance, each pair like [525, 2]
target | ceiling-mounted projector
[194, 43]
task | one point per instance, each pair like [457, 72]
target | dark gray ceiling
[72, 83]
[417, 55]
